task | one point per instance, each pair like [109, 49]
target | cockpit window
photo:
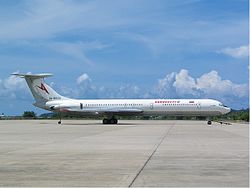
[220, 104]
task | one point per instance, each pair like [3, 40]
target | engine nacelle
[54, 107]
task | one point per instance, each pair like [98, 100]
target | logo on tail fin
[42, 87]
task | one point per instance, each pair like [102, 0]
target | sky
[125, 49]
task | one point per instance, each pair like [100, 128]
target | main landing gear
[110, 121]
[209, 121]
[60, 119]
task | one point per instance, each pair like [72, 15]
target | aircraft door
[151, 106]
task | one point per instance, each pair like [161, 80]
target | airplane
[48, 99]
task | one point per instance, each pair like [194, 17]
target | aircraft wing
[122, 111]
[108, 112]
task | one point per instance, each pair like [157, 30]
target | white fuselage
[175, 107]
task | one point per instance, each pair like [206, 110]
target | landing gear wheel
[209, 122]
[105, 121]
[109, 121]
[113, 121]
[60, 119]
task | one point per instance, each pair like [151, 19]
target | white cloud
[157, 43]
[84, 77]
[123, 91]
[77, 50]
[53, 20]
[192, 36]
[212, 84]
[240, 52]
[14, 83]
[13, 87]
[209, 85]
[127, 91]
[45, 19]
[165, 86]
[85, 88]
[68, 92]
[184, 83]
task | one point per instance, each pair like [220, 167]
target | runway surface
[130, 154]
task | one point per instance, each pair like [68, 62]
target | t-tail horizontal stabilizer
[43, 75]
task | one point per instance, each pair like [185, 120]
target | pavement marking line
[146, 162]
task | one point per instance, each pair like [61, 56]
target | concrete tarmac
[130, 154]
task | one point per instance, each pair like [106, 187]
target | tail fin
[39, 89]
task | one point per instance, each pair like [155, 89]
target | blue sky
[125, 49]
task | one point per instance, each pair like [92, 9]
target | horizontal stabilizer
[43, 75]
